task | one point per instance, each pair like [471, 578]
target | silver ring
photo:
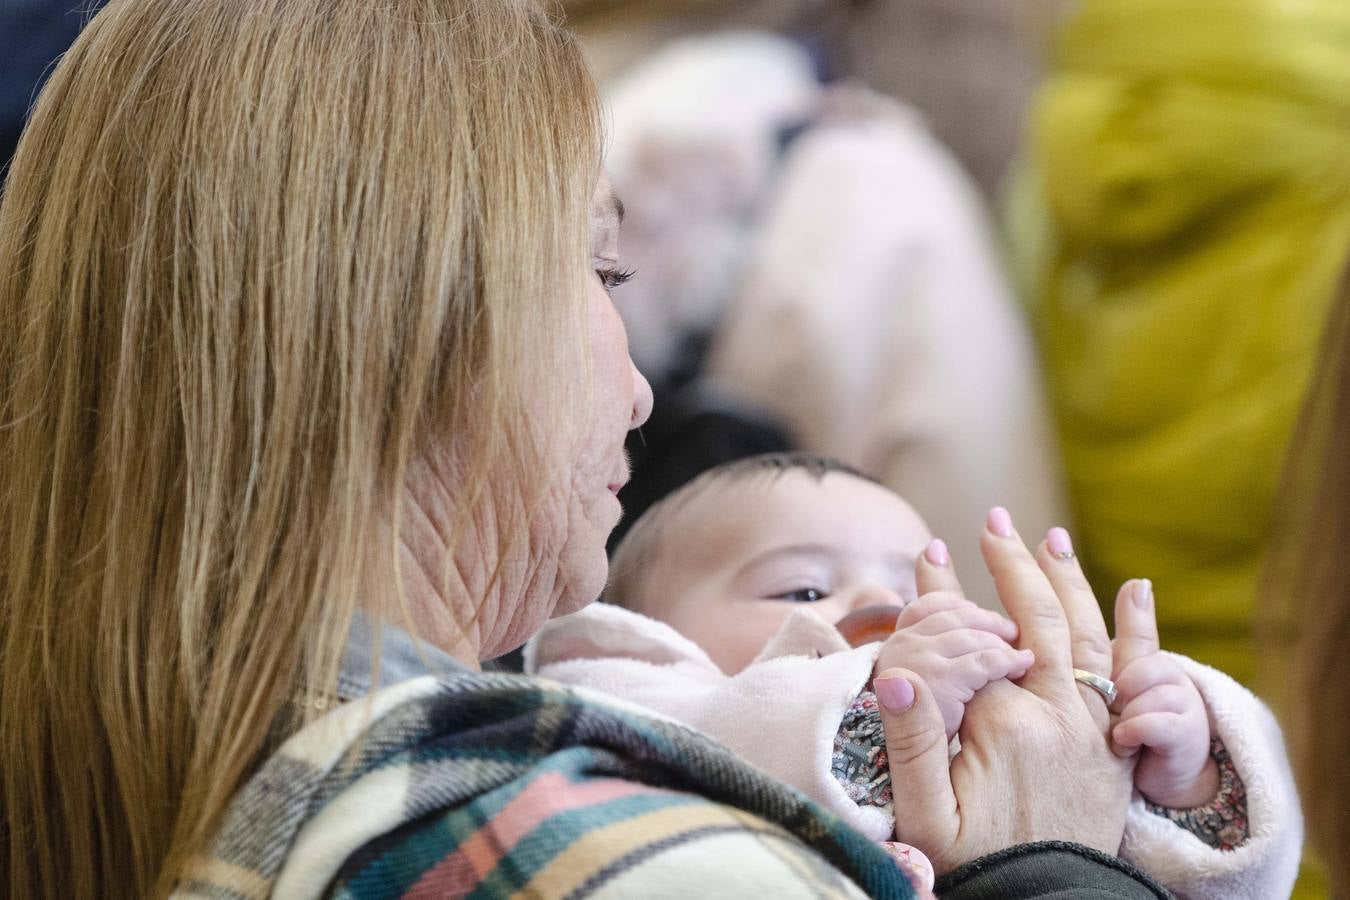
[1104, 686]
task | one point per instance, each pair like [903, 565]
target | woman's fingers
[1136, 624]
[1090, 645]
[933, 570]
[1031, 601]
[916, 746]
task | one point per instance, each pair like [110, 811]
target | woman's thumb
[926, 814]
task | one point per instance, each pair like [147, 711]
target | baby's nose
[875, 595]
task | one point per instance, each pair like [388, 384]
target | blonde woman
[313, 397]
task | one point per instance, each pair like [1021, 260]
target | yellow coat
[1179, 228]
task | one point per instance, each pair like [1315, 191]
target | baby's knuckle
[894, 653]
[998, 655]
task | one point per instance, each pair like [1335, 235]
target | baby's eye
[803, 595]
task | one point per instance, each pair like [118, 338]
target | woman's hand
[1035, 763]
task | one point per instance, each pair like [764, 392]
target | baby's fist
[1162, 716]
[956, 647]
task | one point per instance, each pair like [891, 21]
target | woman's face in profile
[618, 399]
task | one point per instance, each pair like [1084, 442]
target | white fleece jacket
[783, 711]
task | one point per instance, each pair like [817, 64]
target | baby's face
[737, 559]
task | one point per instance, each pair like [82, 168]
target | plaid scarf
[497, 785]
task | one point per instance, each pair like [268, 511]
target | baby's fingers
[1156, 729]
[930, 603]
[1145, 674]
[1136, 624]
[1164, 698]
[969, 617]
[960, 642]
[975, 670]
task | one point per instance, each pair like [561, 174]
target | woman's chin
[576, 601]
[582, 573]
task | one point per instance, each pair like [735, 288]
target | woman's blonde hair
[255, 257]
[1305, 600]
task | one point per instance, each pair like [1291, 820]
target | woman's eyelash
[614, 277]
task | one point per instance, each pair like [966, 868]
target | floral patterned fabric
[1221, 823]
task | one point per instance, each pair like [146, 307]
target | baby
[723, 600]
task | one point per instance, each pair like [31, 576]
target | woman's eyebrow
[607, 211]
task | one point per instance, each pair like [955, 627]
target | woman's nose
[642, 399]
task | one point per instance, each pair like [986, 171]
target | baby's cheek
[729, 646]
[747, 630]
[732, 634]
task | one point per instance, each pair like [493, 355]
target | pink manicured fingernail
[1000, 523]
[895, 693]
[936, 553]
[1143, 594]
[1058, 541]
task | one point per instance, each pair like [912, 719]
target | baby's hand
[956, 647]
[1162, 711]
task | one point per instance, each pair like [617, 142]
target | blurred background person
[875, 320]
[1179, 227]
[817, 269]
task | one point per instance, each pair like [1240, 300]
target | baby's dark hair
[775, 464]
[636, 553]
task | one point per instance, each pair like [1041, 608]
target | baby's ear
[1136, 624]
[803, 633]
